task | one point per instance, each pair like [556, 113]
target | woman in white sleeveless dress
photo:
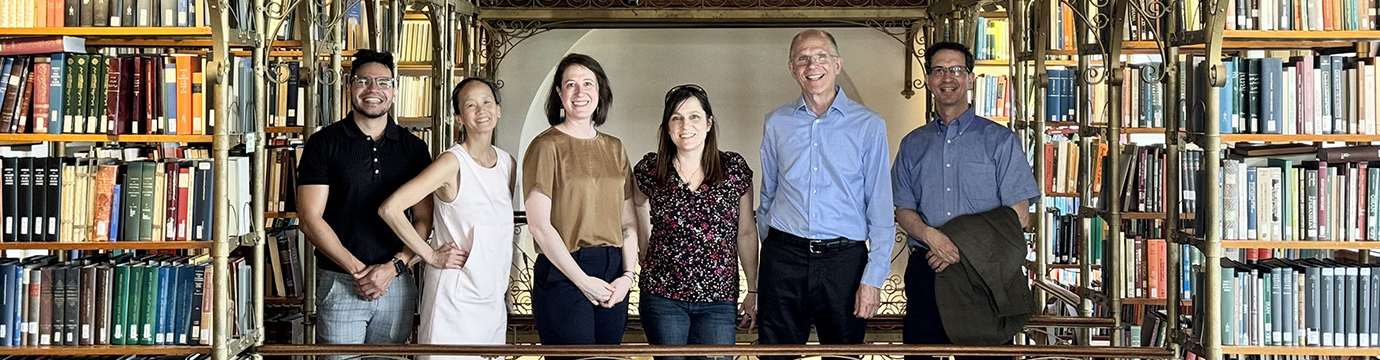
[470, 253]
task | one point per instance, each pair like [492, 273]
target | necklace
[687, 178]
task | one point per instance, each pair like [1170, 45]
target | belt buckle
[816, 247]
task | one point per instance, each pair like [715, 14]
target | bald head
[814, 33]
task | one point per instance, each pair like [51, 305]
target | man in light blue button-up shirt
[826, 213]
[957, 164]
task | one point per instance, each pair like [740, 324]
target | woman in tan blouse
[579, 210]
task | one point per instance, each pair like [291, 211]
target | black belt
[812, 245]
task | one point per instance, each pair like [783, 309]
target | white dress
[465, 306]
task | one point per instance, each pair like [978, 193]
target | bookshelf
[1215, 320]
[123, 245]
[224, 335]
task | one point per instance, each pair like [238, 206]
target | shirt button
[816, 144]
[948, 189]
[814, 191]
[948, 141]
[948, 165]
[815, 169]
[376, 171]
[376, 159]
[816, 121]
[948, 213]
[376, 149]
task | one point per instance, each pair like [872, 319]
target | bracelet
[630, 275]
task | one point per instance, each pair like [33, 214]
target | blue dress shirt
[826, 177]
[969, 166]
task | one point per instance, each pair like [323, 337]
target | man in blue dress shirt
[957, 164]
[825, 191]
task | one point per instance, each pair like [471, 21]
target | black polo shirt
[362, 173]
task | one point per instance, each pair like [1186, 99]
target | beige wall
[743, 70]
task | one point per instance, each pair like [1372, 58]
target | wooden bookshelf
[992, 63]
[284, 130]
[123, 32]
[1300, 351]
[414, 119]
[118, 245]
[1140, 130]
[18, 142]
[106, 138]
[104, 350]
[1279, 39]
[276, 215]
[1315, 245]
[1278, 138]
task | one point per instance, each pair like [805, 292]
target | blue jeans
[345, 318]
[675, 322]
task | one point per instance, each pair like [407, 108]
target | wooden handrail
[718, 350]
[896, 321]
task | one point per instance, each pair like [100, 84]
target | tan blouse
[587, 180]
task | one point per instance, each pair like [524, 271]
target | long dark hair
[666, 149]
[553, 100]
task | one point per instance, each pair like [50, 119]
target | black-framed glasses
[803, 60]
[382, 82]
[956, 70]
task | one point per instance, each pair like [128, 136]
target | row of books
[101, 199]
[282, 177]
[98, 94]
[285, 260]
[993, 39]
[1062, 156]
[1066, 240]
[419, 45]
[1310, 15]
[102, 13]
[1326, 94]
[1282, 199]
[1061, 95]
[1148, 271]
[104, 300]
[414, 96]
[1143, 171]
[285, 94]
[1299, 302]
[992, 96]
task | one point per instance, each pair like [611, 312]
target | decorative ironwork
[503, 36]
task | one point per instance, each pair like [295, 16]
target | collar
[964, 120]
[391, 131]
[841, 102]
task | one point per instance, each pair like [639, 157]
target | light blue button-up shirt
[827, 177]
[970, 166]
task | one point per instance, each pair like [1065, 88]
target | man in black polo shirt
[365, 293]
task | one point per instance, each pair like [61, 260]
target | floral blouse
[693, 251]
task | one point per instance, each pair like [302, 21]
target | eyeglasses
[803, 60]
[956, 70]
[382, 82]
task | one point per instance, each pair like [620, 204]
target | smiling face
[948, 90]
[814, 63]
[689, 126]
[371, 100]
[479, 111]
[579, 93]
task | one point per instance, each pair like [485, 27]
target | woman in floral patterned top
[701, 225]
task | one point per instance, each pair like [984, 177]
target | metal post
[216, 77]
[1086, 170]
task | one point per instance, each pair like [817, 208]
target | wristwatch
[400, 266]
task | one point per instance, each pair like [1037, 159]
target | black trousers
[562, 313]
[798, 289]
[923, 325]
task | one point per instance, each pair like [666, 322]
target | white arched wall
[743, 70]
